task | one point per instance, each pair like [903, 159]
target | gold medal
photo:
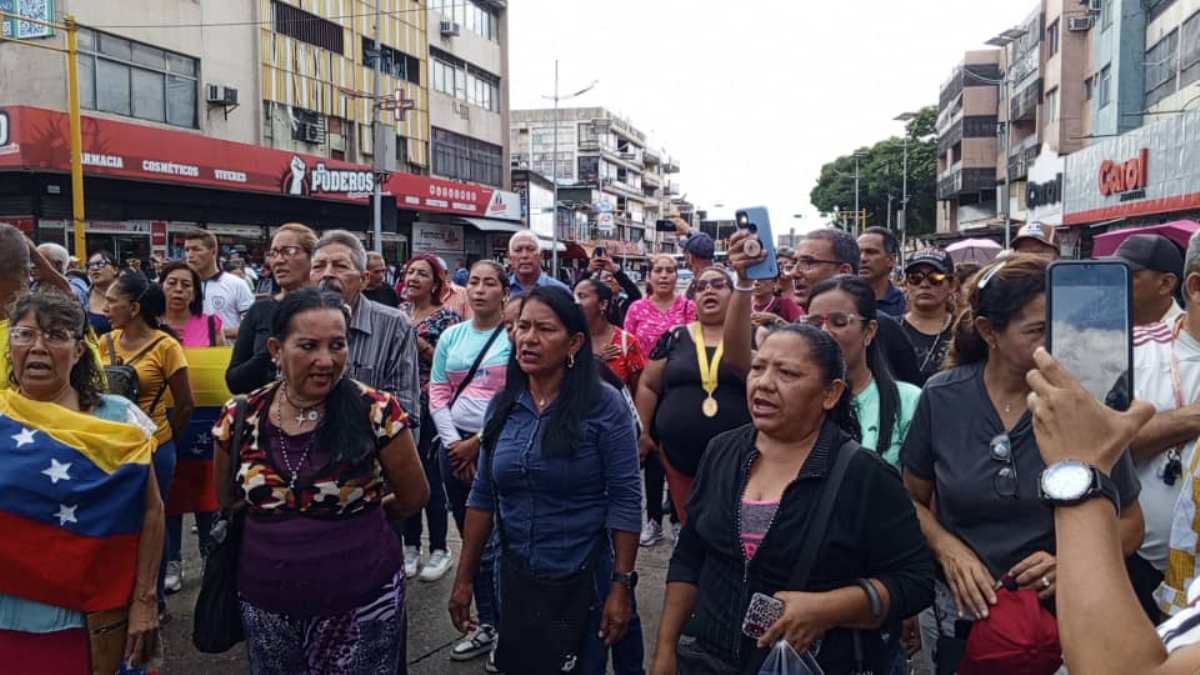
[710, 407]
[708, 369]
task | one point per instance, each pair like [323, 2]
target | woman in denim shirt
[561, 464]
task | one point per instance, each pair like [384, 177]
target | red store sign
[1119, 177]
[37, 139]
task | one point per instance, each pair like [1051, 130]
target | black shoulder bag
[217, 620]
[121, 375]
[814, 531]
[544, 632]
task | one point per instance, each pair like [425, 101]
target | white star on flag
[66, 514]
[57, 471]
[25, 437]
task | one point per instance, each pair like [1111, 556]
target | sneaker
[652, 534]
[477, 643]
[412, 560]
[675, 528]
[436, 567]
[490, 666]
[174, 580]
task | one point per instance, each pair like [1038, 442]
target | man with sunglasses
[929, 277]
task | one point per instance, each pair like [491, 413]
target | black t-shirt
[949, 443]
[898, 350]
[930, 349]
[383, 294]
[679, 425]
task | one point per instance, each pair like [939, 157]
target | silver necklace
[293, 471]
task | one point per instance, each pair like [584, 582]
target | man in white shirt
[1157, 268]
[1166, 374]
[225, 295]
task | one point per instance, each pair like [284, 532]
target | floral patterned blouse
[430, 329]
[646, 322]
[327, 487]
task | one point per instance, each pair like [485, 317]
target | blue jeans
[164, 473]
[485, 578]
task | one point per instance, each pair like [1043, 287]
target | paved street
[429, 631]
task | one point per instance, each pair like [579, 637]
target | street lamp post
[554, 171]
[902, 219]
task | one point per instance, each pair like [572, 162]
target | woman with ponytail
[140, 339]
[972, 463]
[845, 307]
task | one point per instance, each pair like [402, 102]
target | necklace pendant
[300, 418]
[312, 415]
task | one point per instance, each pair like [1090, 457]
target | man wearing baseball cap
[929, 278]
[1157, 268]
[1036, 238]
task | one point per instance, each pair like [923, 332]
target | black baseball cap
[934, 257]
[1150, 252]
[700, 245]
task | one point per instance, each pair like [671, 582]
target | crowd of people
[854, 464]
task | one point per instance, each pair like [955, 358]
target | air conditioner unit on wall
[312, 133]
[1096, 5]
[450, 29]
[1079, 24]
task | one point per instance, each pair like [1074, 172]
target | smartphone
[1089, 326]
[599, 252]
[761, 614]
[756, 221]
[664, 225]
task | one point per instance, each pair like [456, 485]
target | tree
[881, 172]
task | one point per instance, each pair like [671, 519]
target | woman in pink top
[650, 317]
[185, 307]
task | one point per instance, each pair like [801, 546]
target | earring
[570, 360]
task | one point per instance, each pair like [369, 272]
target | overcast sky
[752, 96]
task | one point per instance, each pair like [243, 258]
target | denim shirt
[557, 510]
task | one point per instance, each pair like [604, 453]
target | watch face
[1066, 480]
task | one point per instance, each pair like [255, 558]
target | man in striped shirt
[383, 346]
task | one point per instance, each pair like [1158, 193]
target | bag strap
[112, 349]
[212, 330]
[816, 528]
[145, 350]
[462, 386]
[241, 405]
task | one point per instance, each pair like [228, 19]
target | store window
[120, 76]
[465, 158]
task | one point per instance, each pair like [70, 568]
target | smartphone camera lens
[753, 228]
[742, 220]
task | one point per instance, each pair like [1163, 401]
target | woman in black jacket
[747, 524]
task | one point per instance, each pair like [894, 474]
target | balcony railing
[959, 180]
[1023, 104]
[951, 137]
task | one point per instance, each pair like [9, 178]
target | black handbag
[544, 633]
[217, 620]
[121, 375]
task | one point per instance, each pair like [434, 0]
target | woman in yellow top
[140, 339]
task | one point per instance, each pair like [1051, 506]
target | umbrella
[973, 250]
[1179, 231]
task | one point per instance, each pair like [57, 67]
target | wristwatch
[1072, 482]
[627, 580]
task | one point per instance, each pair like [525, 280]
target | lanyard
[708, 369]
[1175, 455]
[1176, 380]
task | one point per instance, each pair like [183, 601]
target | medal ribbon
[708, 370]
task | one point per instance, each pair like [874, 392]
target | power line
[268, 22]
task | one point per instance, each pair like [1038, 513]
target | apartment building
[603, 160]
[234, 116]
[967, 142]
[1117, 74]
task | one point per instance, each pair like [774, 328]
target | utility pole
[554, 240]
[857, 212]
[376, 191]
[1007, 155]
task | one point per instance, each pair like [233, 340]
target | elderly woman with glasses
[81, 510]
[972, 463]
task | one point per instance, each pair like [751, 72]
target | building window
[1089, 86]
[466, 158]
[470, 16]
[395, 62]
[1189, 51]
[310, 28]
[1104, 85]
[454, 77]
[138, 80]
[1052, 39]
[1161, 63]
[1106, 14]
[1052, 104]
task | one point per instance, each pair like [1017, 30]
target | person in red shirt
[770, 305]
[618, 349]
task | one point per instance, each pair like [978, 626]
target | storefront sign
[37, 141]
[1127, 176]
[437, 237]
[22, 223]
[42, 10]
[1044, 194]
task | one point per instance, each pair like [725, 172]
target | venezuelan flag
[72, 502]
[192, 489]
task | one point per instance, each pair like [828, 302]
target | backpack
[121, 375]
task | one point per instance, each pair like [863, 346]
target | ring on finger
[1045, 583]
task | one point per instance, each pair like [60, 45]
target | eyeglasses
[1005, 480]
[833, 319]
[285, 252]
[716, 283]
[808, 262]
[935, 279]
[97, 264]
[24, 336]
